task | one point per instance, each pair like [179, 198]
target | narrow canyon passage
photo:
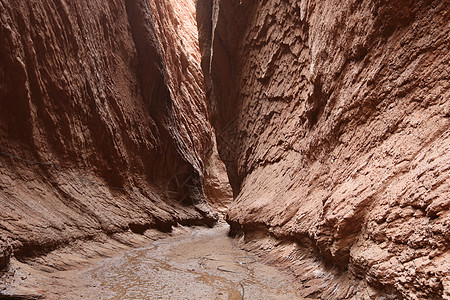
[318, 130]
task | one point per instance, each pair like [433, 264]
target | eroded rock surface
[103, 122]
[176, 27]
[334, 122]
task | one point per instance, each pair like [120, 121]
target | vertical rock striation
[335, 131]
[103, 124]
[178, 34]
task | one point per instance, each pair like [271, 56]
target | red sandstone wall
[339, 143]
[89, 87]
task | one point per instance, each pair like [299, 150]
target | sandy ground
[200, 263]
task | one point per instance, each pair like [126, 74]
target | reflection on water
[203, 264]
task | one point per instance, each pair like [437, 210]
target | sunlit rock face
[334, 119]
[176, 27]
[103, 122]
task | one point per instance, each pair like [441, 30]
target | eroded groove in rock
[88, 87]
[178, 37]
[339, 137]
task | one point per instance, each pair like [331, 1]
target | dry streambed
[198, 264]
[203, 264]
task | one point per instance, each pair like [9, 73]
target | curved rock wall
[103, 123]
[335, 131]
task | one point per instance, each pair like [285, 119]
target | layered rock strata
[103, 122]
[333, 120]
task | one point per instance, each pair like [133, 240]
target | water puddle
[202, 264]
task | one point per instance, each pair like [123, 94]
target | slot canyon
[225, 149]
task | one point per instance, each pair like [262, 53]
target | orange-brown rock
[176, 27]
[103, 122]
[333, 120]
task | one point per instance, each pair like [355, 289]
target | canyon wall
[176, 28]
[103, 122]
[333, 120]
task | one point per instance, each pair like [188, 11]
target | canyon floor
[194, 263]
